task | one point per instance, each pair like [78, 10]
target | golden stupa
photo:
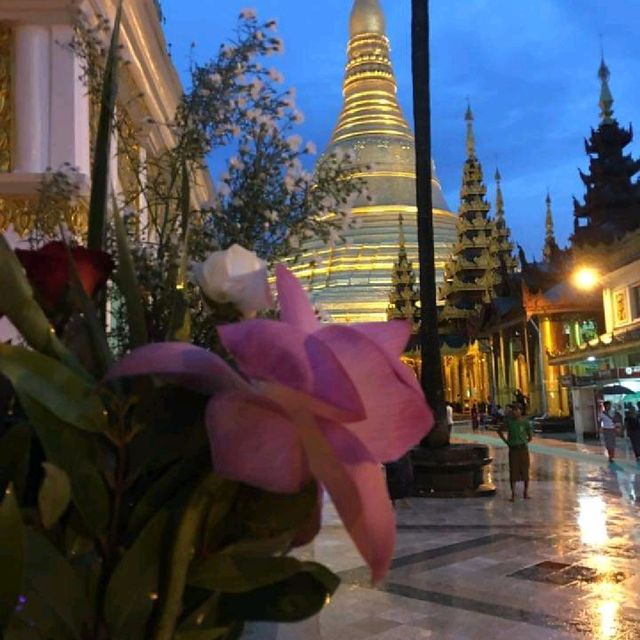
[352, 281]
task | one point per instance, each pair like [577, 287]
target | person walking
[632, 427]
[608, 430]
[518, 437]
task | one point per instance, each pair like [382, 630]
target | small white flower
[276, 76]
[235, 276]
[272, 25]
[215, 79]
[298, 117]
[248, 14]
[294, 142]
[311, 148]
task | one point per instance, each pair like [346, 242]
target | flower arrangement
[158, 494]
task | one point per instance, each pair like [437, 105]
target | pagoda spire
[502, 247]
[404, 295]
[499, 198]
[611, 206]
[367, 17]
[606, 98]
[550, 244]
[471, 275]
[371, 106]
[471, 138]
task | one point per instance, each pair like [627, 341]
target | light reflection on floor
[459, 560]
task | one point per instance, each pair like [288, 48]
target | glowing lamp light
[591, 359]
[586, 278]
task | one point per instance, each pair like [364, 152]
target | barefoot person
[518, 437]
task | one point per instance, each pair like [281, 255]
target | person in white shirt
[449, 417]
[608, 430]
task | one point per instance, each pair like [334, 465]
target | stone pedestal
[454, 471]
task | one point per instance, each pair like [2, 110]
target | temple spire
[606, 99]
[550, 244]
[367, 17]
[471, 139]
[502, 246]
[404, 295]
[499, 198]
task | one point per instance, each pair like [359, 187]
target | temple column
[32, 90]
[549, 338]
[69, 105]
[502, 371]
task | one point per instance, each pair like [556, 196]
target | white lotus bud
[235, 276]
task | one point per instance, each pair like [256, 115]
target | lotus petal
[253, 441]
[191, 366]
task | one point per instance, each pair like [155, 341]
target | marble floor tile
[463, 568]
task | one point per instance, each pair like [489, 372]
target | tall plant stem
[188, 528]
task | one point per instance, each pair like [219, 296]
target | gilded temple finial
[471, 140]
[606, 99]
[401, 238]
[367, 17]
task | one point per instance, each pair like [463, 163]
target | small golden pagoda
[351, 281]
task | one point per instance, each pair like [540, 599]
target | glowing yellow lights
[609, 615]
[592, 521]
[586, 278]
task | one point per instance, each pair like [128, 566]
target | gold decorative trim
[6, 119]
[21, 213]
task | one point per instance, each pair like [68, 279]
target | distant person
[450, 417]
[518, 437]
[482, 413]
[608, 430]
[474, 417]
[632, 427]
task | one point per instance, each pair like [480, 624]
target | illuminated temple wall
[352, 281]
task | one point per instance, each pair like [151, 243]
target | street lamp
[586, 278]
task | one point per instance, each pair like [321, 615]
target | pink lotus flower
[326, 401]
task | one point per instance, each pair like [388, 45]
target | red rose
[50, 274]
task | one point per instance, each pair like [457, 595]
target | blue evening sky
[528, 66]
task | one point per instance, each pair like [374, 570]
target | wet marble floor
[565, 564]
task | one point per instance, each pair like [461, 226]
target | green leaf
[268, 515]
[18, 304]
[15, 450]
[100, 175]
[291, 600]
[135, 584]
[56, 602]
[54, 495]
[65, 394]
[128, 284]
[232, 573]
[12, 554]
[78, 453]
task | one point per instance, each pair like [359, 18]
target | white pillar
[32, 97]
[69, 105]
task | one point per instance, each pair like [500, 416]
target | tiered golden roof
[352, 282]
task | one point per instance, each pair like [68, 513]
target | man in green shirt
[518, 436]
